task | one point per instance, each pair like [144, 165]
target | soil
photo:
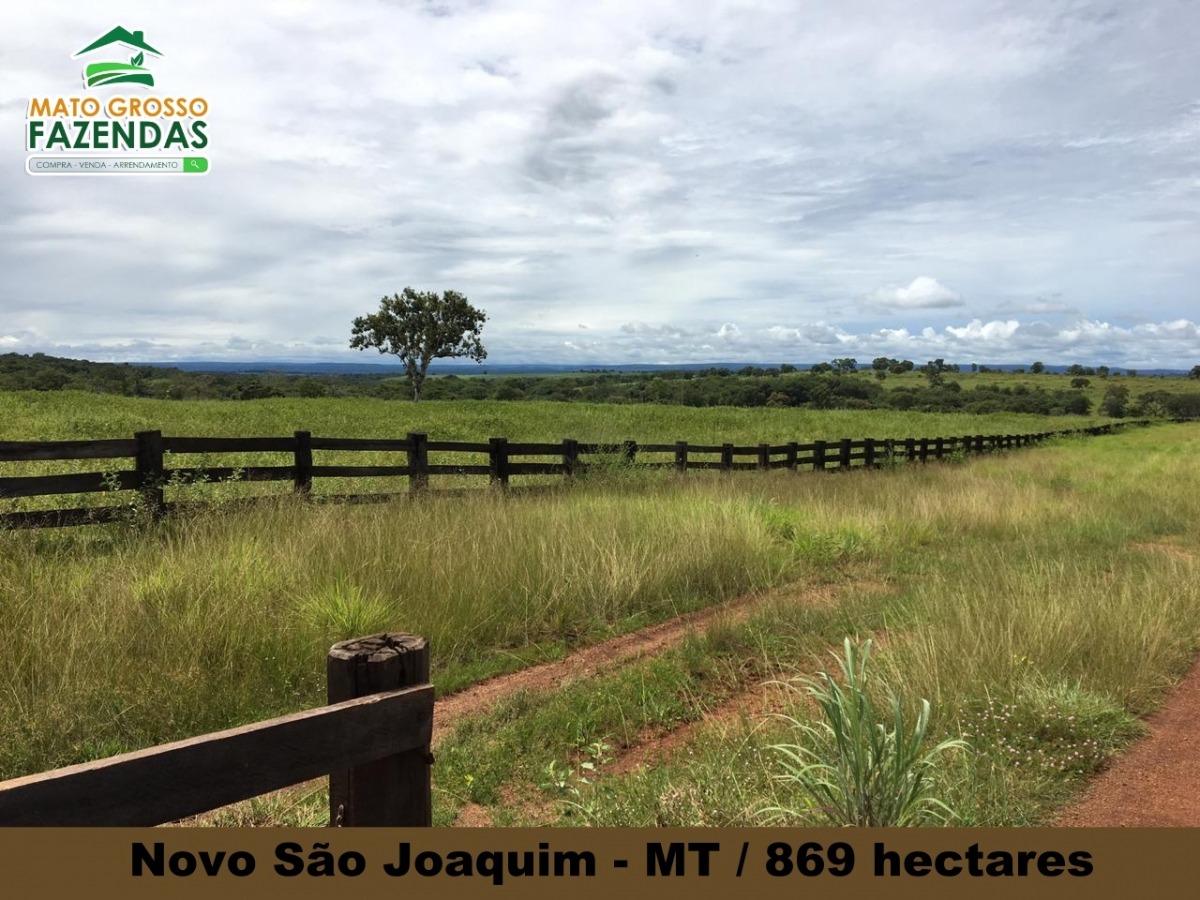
[617, 651]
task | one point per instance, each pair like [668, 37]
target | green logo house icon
[133, 72]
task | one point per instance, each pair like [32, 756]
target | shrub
[855, 769]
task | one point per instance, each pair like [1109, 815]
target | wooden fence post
[889, 451]
[727, 457]
[764, 456]
[910, 449]
[979, 443]
[150, 467]
[629, 452]
[869, 452]
[793, 451]
[844, 453]
[498, 461]
[924, 450]
[681, 454]
[418, 462]
[939, 447]
[395, 790]
[570, 456]
[818, 456]
[304, 461]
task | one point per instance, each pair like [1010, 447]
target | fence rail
[499, 459]
[372, 740]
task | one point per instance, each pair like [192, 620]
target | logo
[98, 74]
[109, 132]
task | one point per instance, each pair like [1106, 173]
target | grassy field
[1054, 586]
[32, 415]
[68, 416]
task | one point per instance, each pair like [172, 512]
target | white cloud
[922, 293]
[718, 163]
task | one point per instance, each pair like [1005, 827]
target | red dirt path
[1157, 783]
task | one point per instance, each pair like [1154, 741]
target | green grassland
[79, 416]
[1058, 582]
[32, 415]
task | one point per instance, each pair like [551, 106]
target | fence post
[393, 791]
[764, 456]
[727, 457]
[818, 456]
[793, 451]
[570, 454]
[924, 449]
[869, 452]
[498, 461]
[628, 452]
[304, 462]
[979, 443]
[844, 454]
[418, 462]
[889, 450]
[681, 453]
[910, 449]
[938, 448]
[150, 467]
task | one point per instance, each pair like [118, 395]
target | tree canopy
[419, 327]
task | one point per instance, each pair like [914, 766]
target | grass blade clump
[854, 768]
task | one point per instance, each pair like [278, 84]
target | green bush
[854, 768]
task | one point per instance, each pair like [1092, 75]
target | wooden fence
[499, 459]
[372, 740]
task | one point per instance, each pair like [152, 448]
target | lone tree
[419, 327]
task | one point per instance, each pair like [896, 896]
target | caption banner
[583, 862]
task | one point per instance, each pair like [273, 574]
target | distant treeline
[827, 386]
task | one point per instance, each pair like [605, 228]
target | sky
[629, 182]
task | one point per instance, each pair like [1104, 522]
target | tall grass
[121, 639]
[1057, 582]
[1042, 600]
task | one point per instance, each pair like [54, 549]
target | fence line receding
[499, 459]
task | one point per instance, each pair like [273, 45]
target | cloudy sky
[647, 181]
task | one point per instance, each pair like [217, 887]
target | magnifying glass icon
[195, 164]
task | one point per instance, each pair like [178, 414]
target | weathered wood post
[764, 456]
[418, 462]
[302, 478]
[727, 457]
[150, 468]
[628, 452]
[395, 790]
[939, 448]
[681, 455]
[979, 443]
[869, 453]
[793, 451]
[844, 453]
[498, 461]
[570, 457]
[818, 456]
[910, 449]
